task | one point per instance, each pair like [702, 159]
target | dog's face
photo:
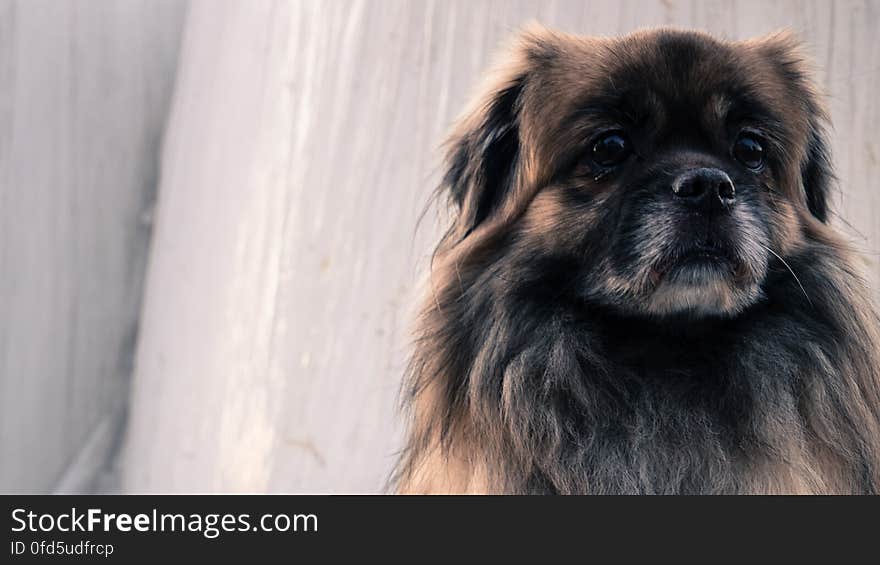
[659, 174]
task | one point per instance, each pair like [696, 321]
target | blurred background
[209, 250]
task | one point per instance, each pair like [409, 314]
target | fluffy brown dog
[640, 291]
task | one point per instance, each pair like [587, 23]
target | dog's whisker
[790, 270]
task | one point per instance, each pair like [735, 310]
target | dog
[640, 291]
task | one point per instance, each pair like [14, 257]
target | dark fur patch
[817, 175]
[482, 164]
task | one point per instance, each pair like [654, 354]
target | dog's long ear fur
[485, 156]
[786, 54]
[817, 174]
[483, 159]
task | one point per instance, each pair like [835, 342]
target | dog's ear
[484, 155]
[484, 160]
[816, 173]
[785, 52]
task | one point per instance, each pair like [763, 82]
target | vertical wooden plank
[35, 225]
[84, 89]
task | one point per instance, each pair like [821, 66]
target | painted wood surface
[303, 147]
[84, 91]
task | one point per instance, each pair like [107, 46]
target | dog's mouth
[705, 254]
[696, 264]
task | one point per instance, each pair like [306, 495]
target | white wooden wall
[84, 90]
[302, 149]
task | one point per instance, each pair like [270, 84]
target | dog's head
[659, 173]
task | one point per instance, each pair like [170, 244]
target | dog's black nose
[705, 188]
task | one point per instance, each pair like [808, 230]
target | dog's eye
[748, 150]
[610, 149]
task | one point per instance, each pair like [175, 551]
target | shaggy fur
[571, 341]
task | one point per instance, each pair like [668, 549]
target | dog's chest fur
[591, 404]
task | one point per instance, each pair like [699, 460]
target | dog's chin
[701, 283]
